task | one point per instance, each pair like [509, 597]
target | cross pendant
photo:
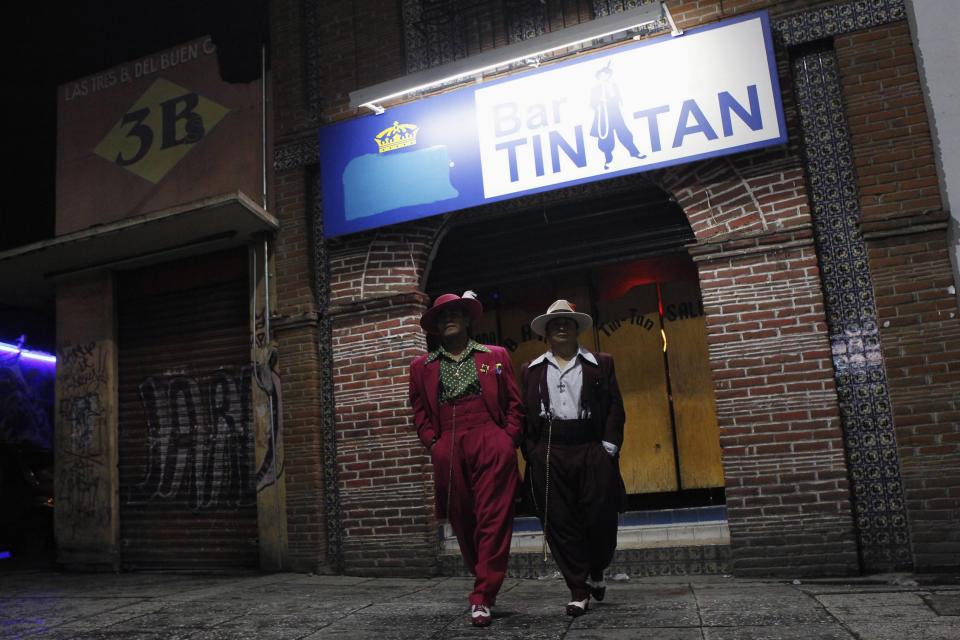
[561, 387]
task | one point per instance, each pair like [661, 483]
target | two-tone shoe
[576, 608]
[598, 590]
[480, 615]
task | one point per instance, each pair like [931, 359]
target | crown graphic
[397, 137]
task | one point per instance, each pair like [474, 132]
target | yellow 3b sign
[159, 129]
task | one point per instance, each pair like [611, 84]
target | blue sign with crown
[712, 91]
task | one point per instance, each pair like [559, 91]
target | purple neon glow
[39, 356]
[4, 555]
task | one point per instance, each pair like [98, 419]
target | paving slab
[779, 632]
[652, 633]
[944, 604]
[754, 606]
[55, 606]
[906, 630]
[838, 588]
[620, 616]
[870, 607]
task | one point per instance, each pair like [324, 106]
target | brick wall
[288, 97]
[783, 455]
[788, 496]
[742, 195]
[382, 263]
[386, 484]
[361, 46]
[892, 149]
[385, 474]
[906, 240]
[303, 446]
[920, 330]
[295, 331]
[787, 492]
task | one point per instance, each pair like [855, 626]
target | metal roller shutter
[187, 486]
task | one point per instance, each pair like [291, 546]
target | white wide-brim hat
[561, 309]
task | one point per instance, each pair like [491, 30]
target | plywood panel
[629, 329]
[694, 410]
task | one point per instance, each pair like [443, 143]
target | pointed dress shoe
[598, 590]
[576, 608]
[480, 615]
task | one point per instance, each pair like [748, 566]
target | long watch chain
[453, 442]
[546, 490]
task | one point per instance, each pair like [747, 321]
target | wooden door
[694, 410]
[629, 329]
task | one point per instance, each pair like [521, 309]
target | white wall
[935, 25]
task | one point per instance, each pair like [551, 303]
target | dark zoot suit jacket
[600, 393]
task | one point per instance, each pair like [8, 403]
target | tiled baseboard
[636, 563]
[667, 542]
[635, 537]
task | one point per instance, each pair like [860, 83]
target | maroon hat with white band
[470, 305]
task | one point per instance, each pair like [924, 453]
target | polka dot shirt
[458, 376]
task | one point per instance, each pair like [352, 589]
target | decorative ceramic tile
[299, 153]
[675, 561]
[862, 389]
[603, 8]
[331, 473]
[309, 9]
[836, 19]
[441, 31]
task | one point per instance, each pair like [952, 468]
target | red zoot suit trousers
[474, 458]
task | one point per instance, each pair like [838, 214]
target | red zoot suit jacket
[498, 389]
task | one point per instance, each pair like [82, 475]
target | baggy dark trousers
[584, 500]
[484, 482]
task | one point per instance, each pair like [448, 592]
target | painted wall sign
[710, 92]
[154, 133]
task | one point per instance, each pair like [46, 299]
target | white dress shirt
[564, 385]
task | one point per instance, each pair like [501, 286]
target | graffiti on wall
[26, 402]
[81, 482]
[199, 442]
[268, 380]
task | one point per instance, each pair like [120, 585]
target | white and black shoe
[576, 608]
[598, 590]
[480, 615]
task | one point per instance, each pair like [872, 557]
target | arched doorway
[621, 258]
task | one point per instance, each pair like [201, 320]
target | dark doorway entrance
[619, 258]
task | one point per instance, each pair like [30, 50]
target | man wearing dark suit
[466, 407]
[573, 433]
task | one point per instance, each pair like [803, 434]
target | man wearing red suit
[466, 408]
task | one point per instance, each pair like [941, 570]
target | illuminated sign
[648, 105]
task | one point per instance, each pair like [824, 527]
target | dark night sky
[46, 44]
[49, 43]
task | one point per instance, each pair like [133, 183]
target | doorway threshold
[666, 542]
[687, 527]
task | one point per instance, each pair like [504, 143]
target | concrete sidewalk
[44, 604]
